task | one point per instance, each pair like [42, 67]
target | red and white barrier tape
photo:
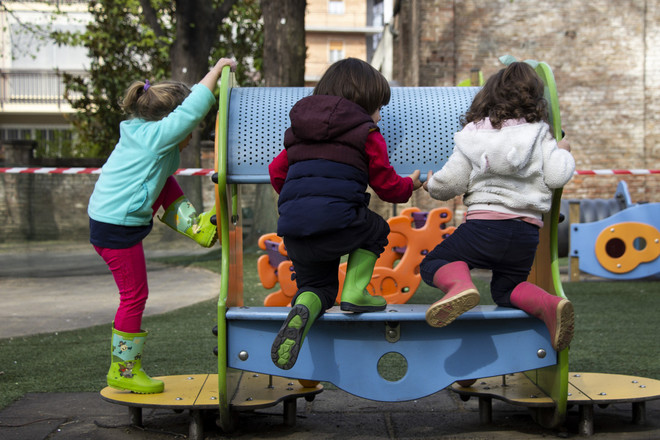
[613, 172]
[74, 170]
[209, 172]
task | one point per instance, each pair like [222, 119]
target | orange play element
[623, 246]
[267, 272]
[396, 275]
[274, 267]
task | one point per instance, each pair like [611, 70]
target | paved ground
[34, 280]
[71, 287]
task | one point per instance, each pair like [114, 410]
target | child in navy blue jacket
[333, 151]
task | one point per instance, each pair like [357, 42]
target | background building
[32, 104]
[605, 57]
[338, 29]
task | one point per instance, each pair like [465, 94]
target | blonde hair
[152, 102]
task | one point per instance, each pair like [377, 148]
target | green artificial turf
[616, 332]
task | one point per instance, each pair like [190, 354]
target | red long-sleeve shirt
[387, 184]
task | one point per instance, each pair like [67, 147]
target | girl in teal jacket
[136, 180]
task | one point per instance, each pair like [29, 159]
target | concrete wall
[54, 206]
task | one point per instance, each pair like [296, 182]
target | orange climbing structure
[396, 277]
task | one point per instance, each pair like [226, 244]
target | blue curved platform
[345, 348]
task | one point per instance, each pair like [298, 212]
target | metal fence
[55, 2]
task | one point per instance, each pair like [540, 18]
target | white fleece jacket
[512, 169]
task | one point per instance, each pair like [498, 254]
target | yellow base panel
[583, 388]
[602, 388]
[261, 391]
[200, 391]
[516, 389]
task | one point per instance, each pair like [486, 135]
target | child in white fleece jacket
[506, 164]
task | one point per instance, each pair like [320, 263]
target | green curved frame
[222, 208]
[554, 380]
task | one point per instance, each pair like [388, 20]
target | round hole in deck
[615, 247]
[639, 243]
[392, 366]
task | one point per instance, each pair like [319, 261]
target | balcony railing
[32, 87]
[54, 2]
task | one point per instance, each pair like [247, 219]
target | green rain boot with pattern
[126, 371]
[183, 218]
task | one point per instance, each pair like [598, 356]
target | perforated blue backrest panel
[418, 125]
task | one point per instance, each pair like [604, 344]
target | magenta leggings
[129, 269]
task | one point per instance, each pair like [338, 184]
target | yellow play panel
[584, 389]
[516, 389]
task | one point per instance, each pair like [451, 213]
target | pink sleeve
[387, 184]
[277, 170]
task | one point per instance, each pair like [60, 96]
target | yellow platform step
[584, 389]
[199, 392]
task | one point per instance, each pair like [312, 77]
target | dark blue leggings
[316, 258]
[507, 247]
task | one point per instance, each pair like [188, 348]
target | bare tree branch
[151, 18]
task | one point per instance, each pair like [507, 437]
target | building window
[335, 51]
[336, 7]
[51, 142]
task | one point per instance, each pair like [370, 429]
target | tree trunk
[283, 65]
[196, 32]
[284, 42]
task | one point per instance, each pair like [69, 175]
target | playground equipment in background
[624, 245]
[396, 277]
[476, 79]
[590, 210]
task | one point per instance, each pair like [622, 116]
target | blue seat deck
[345, 348]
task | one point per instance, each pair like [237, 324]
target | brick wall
[604, 56]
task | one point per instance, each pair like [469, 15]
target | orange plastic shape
[396, 274]
[622, 247]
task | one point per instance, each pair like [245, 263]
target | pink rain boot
[554, 311]
[460, 294]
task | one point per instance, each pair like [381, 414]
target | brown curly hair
[515, 92]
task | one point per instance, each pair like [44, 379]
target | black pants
[507, 247]
[316, 258]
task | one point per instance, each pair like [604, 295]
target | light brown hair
[152, 102]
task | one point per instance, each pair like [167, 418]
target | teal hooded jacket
[145, 156]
